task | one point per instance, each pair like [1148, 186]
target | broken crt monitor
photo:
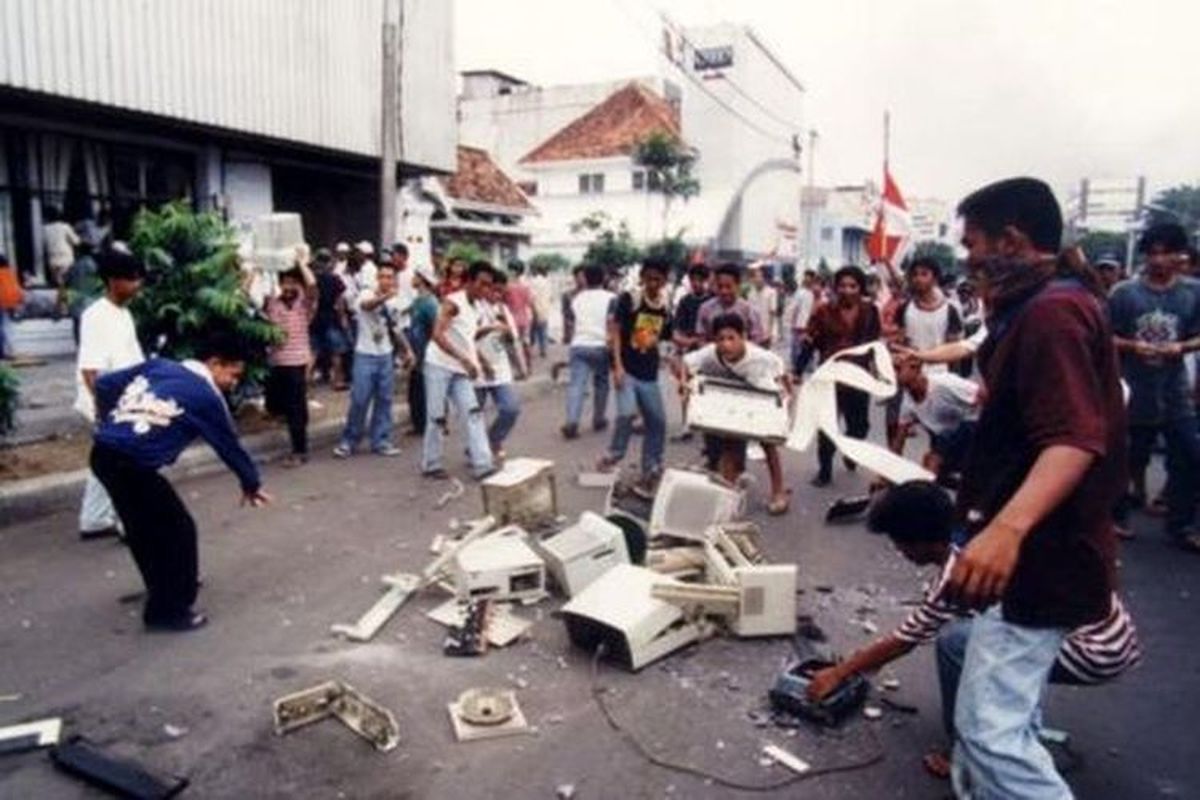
[730, 408]
[583, 552]
[523, 493]
[618, 612]
[500, 566]
[688, 504]
[766, 592]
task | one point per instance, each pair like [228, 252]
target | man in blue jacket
[146, 415]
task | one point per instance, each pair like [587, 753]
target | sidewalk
[33, 497]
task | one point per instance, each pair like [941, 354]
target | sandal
[779, 505]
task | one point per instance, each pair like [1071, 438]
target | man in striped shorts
[918, 517]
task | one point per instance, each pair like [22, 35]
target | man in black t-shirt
[638, 322]
[685, 337]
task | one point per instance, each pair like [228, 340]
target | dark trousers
[854, 409]
[287, 397]
[158, 529]
[416, 398]
[1183, 467]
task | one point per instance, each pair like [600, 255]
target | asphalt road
[277, 578]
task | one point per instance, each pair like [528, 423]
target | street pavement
[200, 704]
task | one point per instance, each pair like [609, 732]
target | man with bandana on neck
[1037, 489]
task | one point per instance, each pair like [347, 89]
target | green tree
[612, 246]
[469, 252]
[1103, 243]
[672, 250]
[1181, 204]
[551, 262]
[194, 286]
[668, 164]
[940, 252]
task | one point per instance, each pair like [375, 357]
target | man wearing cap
[1111, 271]
[107, 342]
[422, 316]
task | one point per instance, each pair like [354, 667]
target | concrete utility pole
[389, 121]
[810, 201]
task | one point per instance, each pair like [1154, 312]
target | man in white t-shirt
[765, 300]
[800, 309]
[731, 355]
[374, 372]
[498, 332]
[107, 342]
[589, 357]
[543, 306]
[945, 405]
[59, 241]
[452, 365]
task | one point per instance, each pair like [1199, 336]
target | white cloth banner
[816, 411]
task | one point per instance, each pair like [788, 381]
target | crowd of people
[1041, 382]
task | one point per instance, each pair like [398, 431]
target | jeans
[508, 408]
[997, 754]
[4, 325]
[854, 408]
[373, 383]
[633, 396]
[538, 336]
[96, 512]
[585, 361]
[444, 387]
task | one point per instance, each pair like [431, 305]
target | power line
[789, 124]
[700, 85]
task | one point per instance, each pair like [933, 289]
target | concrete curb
[47, 494]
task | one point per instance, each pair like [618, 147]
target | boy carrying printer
[918, 517]
[945, 405]
[145, 416]
[731, 356]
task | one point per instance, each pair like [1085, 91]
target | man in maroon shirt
[1047, 460]
[851, 319]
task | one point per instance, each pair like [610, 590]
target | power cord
[852, 766]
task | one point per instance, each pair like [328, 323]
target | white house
[570, 148]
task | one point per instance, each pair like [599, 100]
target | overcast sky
[978, 89]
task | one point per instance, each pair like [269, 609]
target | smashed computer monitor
[617, 612]
[688, 504]
[736, 409]
[524, 492]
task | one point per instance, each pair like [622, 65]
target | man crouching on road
[1037, 489]
[146, 415]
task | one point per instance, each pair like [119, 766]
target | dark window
[528, 187]
[639, 180]
[591, 183]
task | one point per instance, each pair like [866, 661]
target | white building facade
[731, 101]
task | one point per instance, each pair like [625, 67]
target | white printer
[583, 552]
[500, 566]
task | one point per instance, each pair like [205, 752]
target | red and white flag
[892, 232]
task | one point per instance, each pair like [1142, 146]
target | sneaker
[436, 475]
[112, 531]
[570, 431]
[189, 621]
[342, 451]
[387, 451]
[487, 473]
[601, 426]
